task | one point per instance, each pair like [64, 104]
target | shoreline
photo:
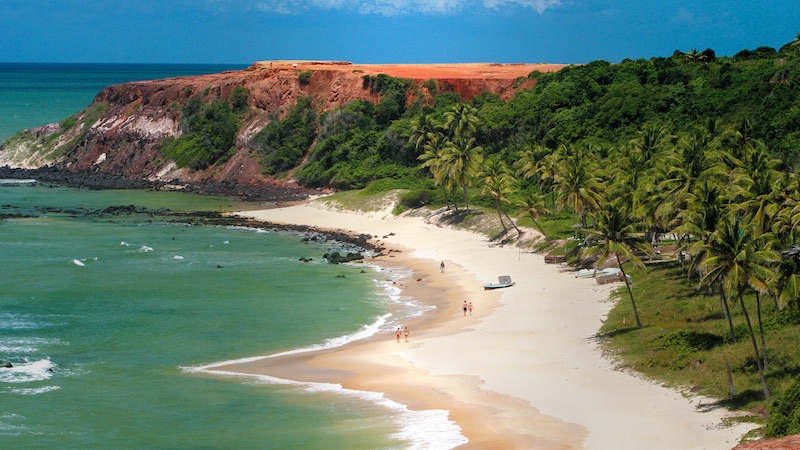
[523, 372]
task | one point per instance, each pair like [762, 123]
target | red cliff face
[122, 131]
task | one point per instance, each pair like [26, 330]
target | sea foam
[28, 371]
[35, 391]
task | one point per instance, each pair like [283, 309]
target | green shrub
[785, 417]
[282, 143]
[240, 99]
[415, 199]
[209, 132]
[305, 77]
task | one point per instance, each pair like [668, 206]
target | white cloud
[539, 5]
[398, 7]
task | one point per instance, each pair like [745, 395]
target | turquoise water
[101, 316]
[109, 321]
[33, 94]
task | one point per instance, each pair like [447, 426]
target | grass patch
[685, 339]
[360, 201]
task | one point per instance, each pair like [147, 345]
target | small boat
[502, 282]
[592, 273]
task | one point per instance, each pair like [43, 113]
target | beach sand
[523, 371]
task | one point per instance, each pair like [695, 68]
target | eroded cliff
[122, 132]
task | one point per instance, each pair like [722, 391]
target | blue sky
[385, 31]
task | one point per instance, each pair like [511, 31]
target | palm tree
[533, 204]
[498, 182]
[704, 214]
[462, 120]
[739, 259]
[422, 129]
[433, 159]
[577, 182]
[615, 234]
[461, 160]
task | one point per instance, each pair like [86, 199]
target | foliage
[305, 77]
[240, 98]
[209, 134]
[785, 417]
[282, 143]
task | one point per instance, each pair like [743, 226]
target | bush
[240, 99]
[305, 77]
[209, 133]
[282, 143]
[785, 417]
[415, 199]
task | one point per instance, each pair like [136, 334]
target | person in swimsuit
[470, 308]
[398, 334]
[465, 307]
[406, 332]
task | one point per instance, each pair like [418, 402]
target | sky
[386, 31]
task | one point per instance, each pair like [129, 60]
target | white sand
[538, 345]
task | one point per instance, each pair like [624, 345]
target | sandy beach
[523, 371]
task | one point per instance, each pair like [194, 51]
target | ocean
[110, 320]
[36, 94]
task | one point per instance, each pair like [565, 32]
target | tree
[422, 129]
[461, 121]
[462, 159]
[433, 159]
[615, 234]
[498, 182]
[576, 181]
[739, 259]
[533, 204]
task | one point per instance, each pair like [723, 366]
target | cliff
[122, 131]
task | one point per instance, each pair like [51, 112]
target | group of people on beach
[467, 307]
[400, 332]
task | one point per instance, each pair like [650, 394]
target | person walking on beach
[470, 308]
[441, 267]
[465, 307]
[397, 333]
[406, 332]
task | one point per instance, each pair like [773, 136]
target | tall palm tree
[533, 204]
[498, 182]
[462, 120]
[577, 182]
[433, 159]
[615, 234]
[739, 259]
[462, 159]
[422, 129]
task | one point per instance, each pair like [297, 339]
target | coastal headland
[523, 371]
[122, 133]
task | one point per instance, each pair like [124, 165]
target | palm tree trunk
[446, 198]
[726, 311]
[519, 232]
[755, 346]
[500, 213]
[538, 226]
[466, 197]
[761, 331]
[731, 387]
[630, 292]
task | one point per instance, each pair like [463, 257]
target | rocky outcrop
[121, 133]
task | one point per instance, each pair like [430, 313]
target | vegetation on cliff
[209, 132]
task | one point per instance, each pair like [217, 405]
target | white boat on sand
[502, 282]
